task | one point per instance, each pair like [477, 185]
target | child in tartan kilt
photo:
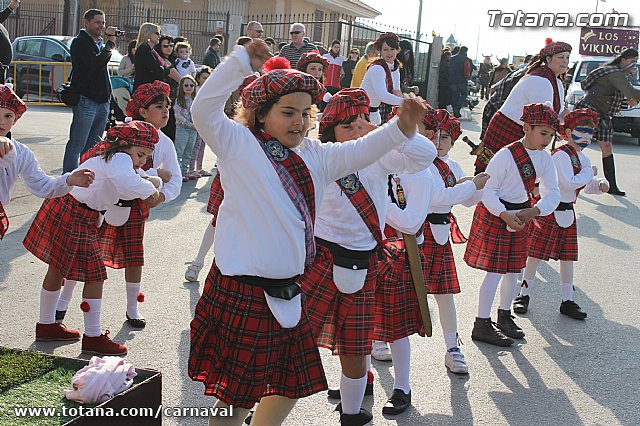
[64, 233]
[251, 338]
[499, 237]
[557, 236]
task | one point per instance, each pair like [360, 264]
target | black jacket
[148, 68]
[89, 67]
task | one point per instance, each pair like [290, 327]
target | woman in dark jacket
[444, 94]
[348, 66]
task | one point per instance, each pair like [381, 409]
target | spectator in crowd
[444, 93]
[525, 64]
[127, 67]
[212, 55]
[271, 44]
[405, 56]
[149, 65]
[280, 46]
[484, 76]
[254, 29]
[298, 46]
[370, 52]
[499, 72]
[459, 72]
[90, 55]
[334, 72]
[183, 63]
[165, 50]
[348, 67]
[323, 50]
[6, 52]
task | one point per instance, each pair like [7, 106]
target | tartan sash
[525, 167]
[575, 161]
[450, 181]
[360, 199]
[297, 182]
[4, 222]
[387, 72]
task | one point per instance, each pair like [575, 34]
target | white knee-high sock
[529, 277]
[48, 301]
[487, 293]
[205, 245]
[508, 290]
[352, 393]
[66, 295]
[92, 317]
[368, 361]
[133, 290]
[401, 356]
[566, 278]
[448, 320]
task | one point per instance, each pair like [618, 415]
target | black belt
[515, 206]
[84, 206]
[125, 203]
[374, 109]
[439, 218]
[350, 259]
[284, 288]
[563, 207]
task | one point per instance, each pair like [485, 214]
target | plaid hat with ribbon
[144, 94]
[11, 101]
[278, 83]
[577, 116]
[383, 37]
[448, 122]
[136, 133]
[344, 104]
[553, 48]
[312, 57]
[540, 115]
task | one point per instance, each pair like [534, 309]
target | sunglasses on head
[164, 46]
[295, 32]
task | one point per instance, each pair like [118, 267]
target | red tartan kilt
[241, 353]
[122, 246]
[341, 322]
[501, 132]
[551, 241]
[492, 248]
[439, 265]
[64, 235]
[397, 310]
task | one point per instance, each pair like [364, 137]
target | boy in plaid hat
[251, 339]
[122, 244]
[64, 233]
[340, 287]
[18, 160]
[499, 237]
[557, 236]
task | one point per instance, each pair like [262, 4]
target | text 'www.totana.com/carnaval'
[124, 412]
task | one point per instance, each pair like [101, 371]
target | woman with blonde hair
[148, 64]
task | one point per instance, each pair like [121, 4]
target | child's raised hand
[258, 53]
[5, 146]
[81, 177]
[165, 175]
[410, 113]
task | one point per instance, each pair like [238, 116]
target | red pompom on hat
[540, 115]
[385, 36]
[548, 40]
[577, 116]
[11, 101]
[278, 83]
[344, 104]
[136, 133]
[553, 48]
[144, 94]
[85, 307]
[310, 58]
[276, 63]
[448, 122]
[140, 297]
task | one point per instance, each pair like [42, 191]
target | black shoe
[507, 326]
[485, 331]
[572, 310]
[334, 393]
[136, 322]
[521, 304]
[616, 191]
[60, 315]
[360, 419]
[398, 402]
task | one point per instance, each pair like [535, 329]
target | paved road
[565, 372]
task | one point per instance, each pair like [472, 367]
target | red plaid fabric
[576, 164]
[4, 222]
[525, 167]
[492, 248]
[309, 58]
[449, 123]
[387, 72]
[216, 195]
[96, 151]
[144, 94]
[240, 352]
[501, 132]
[439, 266]
[553, 48]
[341, 322]
[551, 241]
[362, 202]
[344, 104]
[577, 116]
[551, 76]
[397, 312]
[450, 181]
[64, 236]
[11, 101]
[123, 246]
[540, 115]
[137, 133]
[279, 83]
[384, 37]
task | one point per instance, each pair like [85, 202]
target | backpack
[501, 91]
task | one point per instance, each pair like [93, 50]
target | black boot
[572, 310]
[609, 167]
[485, 331]
[507, 326]
[360, 419]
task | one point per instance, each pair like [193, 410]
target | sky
[468, 21]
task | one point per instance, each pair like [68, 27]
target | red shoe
[102, 345]
[55, 331]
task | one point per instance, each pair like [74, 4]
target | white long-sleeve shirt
[530, 89]
[115, 179]
[569, 183]
[26, 166]
[260, 232]
[444, 198]
[339, 222]
[505, 182]
[165, 157]
[375, 84]
[418, 190]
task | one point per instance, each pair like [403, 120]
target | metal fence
[35, 19]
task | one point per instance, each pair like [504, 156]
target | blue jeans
[89, 121]
[459, 92]
[185, 140]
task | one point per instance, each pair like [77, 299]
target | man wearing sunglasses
[254, 29]
[298, 46]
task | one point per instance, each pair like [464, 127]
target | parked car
[27, 78]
